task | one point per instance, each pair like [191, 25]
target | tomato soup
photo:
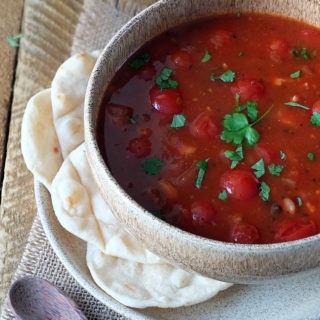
[214, 127]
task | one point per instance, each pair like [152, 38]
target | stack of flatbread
[53, 149]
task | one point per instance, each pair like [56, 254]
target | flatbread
[39, 142]
[67, 93]
[140, 285]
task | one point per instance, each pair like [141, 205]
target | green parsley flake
[299, 201]
[234, 156]
[178, 121]
[206, 57]
[13, 40]
[282, 155]
[311, 156]
[164, 82]
[276, 170]
[264, 191]
[303, 53]
[139, 61]
[315, 119]
[240, 54]
[151, 165]
[294, 104]
[223, 195]
[238, 14]
[252, 109]
[259, 167]
[212, 77]
[227, 76]
[203, 165]
[295, 74]
[237, 99]
[157, 213]
[132, 120]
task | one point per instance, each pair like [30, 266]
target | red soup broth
[214, 127]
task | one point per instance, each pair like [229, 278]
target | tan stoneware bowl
[236, 263]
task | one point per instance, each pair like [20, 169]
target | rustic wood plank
[10, 22]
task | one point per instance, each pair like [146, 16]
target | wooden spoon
[32, 298]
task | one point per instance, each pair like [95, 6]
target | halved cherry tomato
[244, 232]
[119, 114]
[316, 106]
[249, 89]
[294, 230]
[204, 127]
[202, 211]
[147, 72]
[166, 101]
[181, 58]
[140, 147]
[240, 184]
[267, 154]
[221, 38]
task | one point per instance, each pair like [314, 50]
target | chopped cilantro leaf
[178, 121]
[132, 120]
[203, 165]
[276, 170]
[212, 77]
[227, 76]
[252, 136]
[305, 53]
[164, 82]
[139, 61]
[235, 156]
[311, 156]
[295, 74]
[13, 40]
[264, 191]
[315, 119]
[282, 155]
[223, 195]
[206, 57]
[240, 54]
[237, 99]
[259, 167]
[299, 201]
[294, 104]
[252, 109]
[151, 165]
[238, 14]
[157, 213]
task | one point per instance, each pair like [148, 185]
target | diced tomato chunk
[295, 230]
[267, 154]
[202, 211]
[279, 49]
[244, 232]
[181, 58]
[119, 114]
[221, 38]
[249, 89]
[240, 184]
[204, 127]
[147, 72]
[140, 147]
[166, 101]
[316, 106]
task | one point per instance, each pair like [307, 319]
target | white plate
[295, 298]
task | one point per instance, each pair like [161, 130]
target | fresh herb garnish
[295, 74]
[157, 213]
[315, 119]
[234, 156]
[139, 61]
[240, 54]
[282, 155]
[275, 170]
[294, 104]
[178, 121]
[212, 77]
[206, 57]
[238, 129]
[259, 167]
[227, 76]
[151, 165]
[203, 165]
[311, 156]
[223, 195]
[13, 40]
[239, 14]
[252, 109]
[237, 99]
[264, 191]
[132, 120]
[299, 201]
[164, 82]
[303, 53]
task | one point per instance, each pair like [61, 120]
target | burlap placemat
[98, 21]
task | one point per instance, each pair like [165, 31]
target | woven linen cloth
[97, 22]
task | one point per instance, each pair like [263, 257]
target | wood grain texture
[48, 27]
[10, 21]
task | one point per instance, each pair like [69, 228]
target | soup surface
[214, 127]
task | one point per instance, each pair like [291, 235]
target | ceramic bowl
[236, 263]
